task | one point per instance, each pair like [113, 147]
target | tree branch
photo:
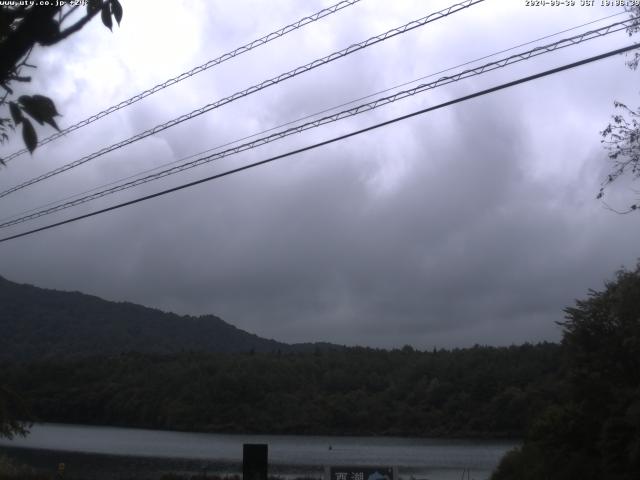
[19, 78]
[69, 12]
[24, 37]
[76, 26]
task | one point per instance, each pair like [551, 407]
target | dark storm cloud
[329, 253]
[441, 230]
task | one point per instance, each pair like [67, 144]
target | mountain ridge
[40, 323]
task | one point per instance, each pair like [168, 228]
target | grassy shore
[31, 464]
[34, 464]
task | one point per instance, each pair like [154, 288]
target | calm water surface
[435, 459]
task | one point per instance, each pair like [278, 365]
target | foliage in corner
[594, 433]
[13, 414]
[621, 137]
[22, 27]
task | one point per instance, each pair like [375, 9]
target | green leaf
[29, 135]
[47, 105]
[16, 114]
[116, 8]
[41, 108]
[28, 108]
[106, 16]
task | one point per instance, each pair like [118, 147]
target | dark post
[254, 461]
[60, 474]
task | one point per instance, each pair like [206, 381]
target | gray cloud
[473, 224]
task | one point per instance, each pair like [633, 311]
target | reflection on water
[437, 459]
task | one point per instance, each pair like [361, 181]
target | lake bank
[95, 466]
[118, 450]
[91, 466]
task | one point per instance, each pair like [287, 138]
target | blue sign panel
[361, 473]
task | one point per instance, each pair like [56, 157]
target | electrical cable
[571, 41]
[332, 140]
[253, 89]
[291, 122]
[194, 71]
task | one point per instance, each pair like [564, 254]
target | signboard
[361, 473]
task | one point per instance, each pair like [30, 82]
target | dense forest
[576, 405]
[480, 391]
[78, 358]
[593, 432]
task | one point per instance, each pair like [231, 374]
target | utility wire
[333, 140]
[255, 88]
[194, 71]
[291, 122]
[575, 40]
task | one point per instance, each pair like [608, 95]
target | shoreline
[469, 436]
[126, 454]
[98, 466]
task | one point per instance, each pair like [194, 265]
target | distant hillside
[37, 323]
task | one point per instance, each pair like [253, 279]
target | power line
[194, 71]
[255, 88]
[291, 122]
[571, 41]
[332, 140]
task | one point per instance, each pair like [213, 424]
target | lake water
[433, 459]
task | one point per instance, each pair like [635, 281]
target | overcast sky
[476, 223]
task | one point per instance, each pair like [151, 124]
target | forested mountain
[77, 358]
[37, 323]
[480, 391]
